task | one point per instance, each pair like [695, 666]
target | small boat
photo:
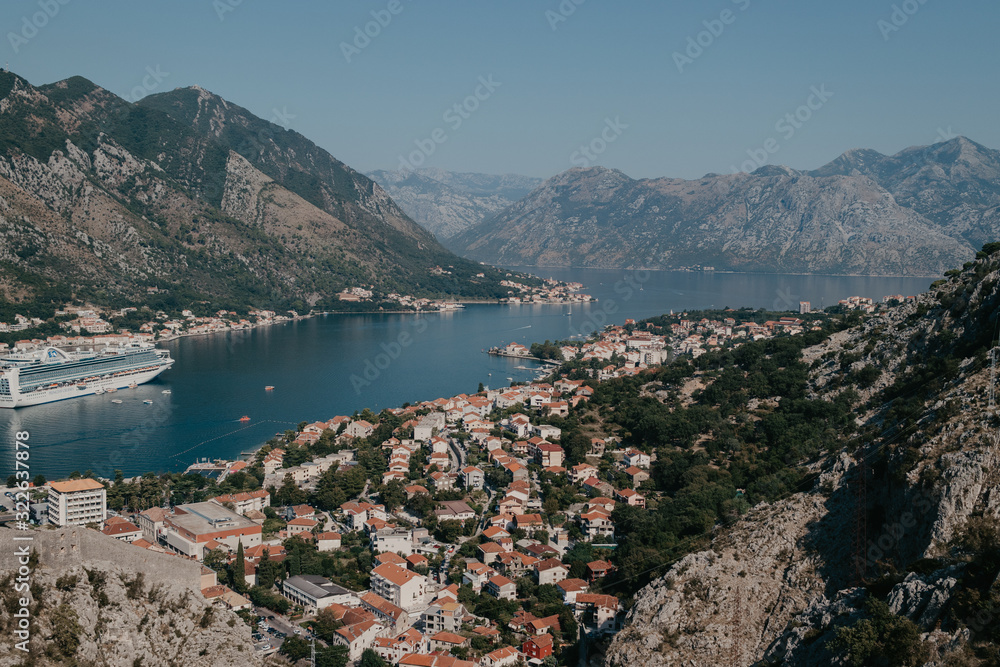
[117, 401]
[148, 402]
[112, 390]
[98, 392]
[166, 391]
[132, 385]
[81, 386]
[269, 388]
[244, 418]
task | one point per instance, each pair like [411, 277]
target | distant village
[90, 325]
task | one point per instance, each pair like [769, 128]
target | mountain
[447, 203]
[883, 548]
[102, 199]
[915, 213]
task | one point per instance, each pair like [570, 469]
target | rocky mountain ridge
[447, 203]
[102, 199]
[918, 212]
[796, 582]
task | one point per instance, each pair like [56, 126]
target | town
[469, 530]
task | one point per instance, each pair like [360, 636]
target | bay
[338, 364]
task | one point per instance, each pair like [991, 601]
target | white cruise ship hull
[62, 393]
[52, 375]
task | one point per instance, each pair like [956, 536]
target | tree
[38, 481]
[267, 570]
[216, 560]
[239, 570]
[372, 659]
[393, 495]
[295, 648]
[332, 656]
[326, 624]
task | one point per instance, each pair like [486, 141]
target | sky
[535, 87]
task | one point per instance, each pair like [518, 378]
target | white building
[314, 592]
[401, 587]
[77, 502]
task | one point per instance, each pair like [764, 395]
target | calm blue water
[337, 364]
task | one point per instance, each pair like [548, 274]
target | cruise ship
[54, 374]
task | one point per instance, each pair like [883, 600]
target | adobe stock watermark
[30, 25]
[784, 299]
[701, 41]
[786, 127]
[374, 366]
[898, 17]
[223, 7]
[588, 153]
[454, 116]
[562, 13]
[363, 35]
[627, 287]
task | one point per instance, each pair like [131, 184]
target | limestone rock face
[919, 212]
[124, 605]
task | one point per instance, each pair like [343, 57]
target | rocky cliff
[916, 213]
[97, 601]
[891, 552]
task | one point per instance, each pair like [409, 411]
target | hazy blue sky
[929, 66]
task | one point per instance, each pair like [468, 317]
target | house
[442, 481]
[550, 571]
[596, 523]
[300, 525]
[386, 612]
[548, 454]
[359, 429]
[328, 541]
[395, 540]
[636, 475]
[400, 586]
[300, 512]
[570, 588]
[446, 641]
[472, 477]
[538, 648]
[443, 617]
[121, 529]
[489, 552]
[415, 561]
[357, 637]
[540, 626]
[582, 471]
[600, 611]
[501, 588]
[495, 533]
[598, 568]
[502, 657]
[454, 509]
[528, 521]
[151, 523]
[631, 497]
[634, 457]
[392, 649]
[248, 500]
[477, 574]
[390, 557]
[433, 660]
